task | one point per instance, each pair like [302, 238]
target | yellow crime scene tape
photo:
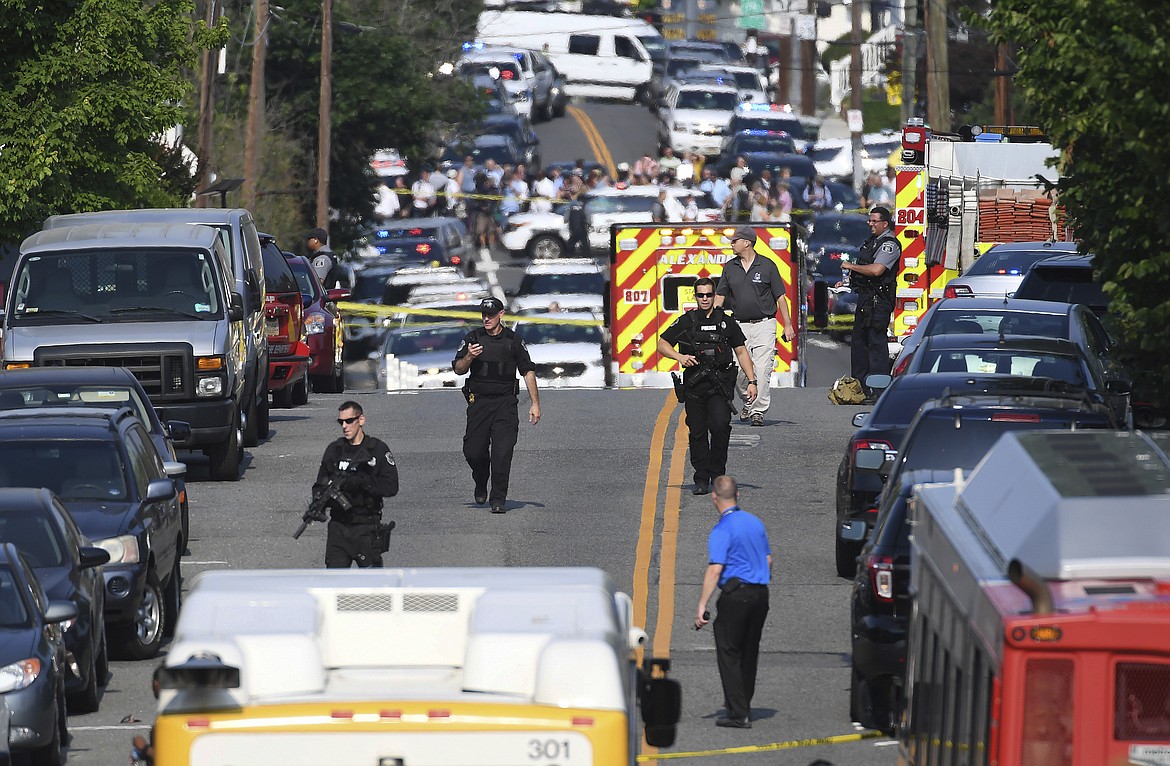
[771, 747]
[375, 310]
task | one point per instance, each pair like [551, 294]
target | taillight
[902, 364]
[423, 248]
[456, 260]
[861, 444]
[881, 576]
[1015, 417]
[957, 291]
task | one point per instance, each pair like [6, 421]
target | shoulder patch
[389, 458]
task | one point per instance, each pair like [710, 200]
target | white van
[599, 56]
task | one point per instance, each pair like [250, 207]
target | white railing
[873, 58]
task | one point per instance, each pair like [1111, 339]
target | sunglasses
[704, 295]
[347, 421]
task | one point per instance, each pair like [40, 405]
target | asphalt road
[578, 498]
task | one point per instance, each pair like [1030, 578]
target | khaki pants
[761, 347]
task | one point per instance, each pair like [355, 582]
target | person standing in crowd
[686, 170]
[658, 207]
[817, 195]
[544, 191]
[363, 469]
[423, 192]
[708, 342]
[575, 218]
[325, 262]
[493, 354]
[668, 163]
[387, 203]
[874, 278]
[691, 210]
[739, 563]
[451, 197]
[752, 285]
[482, 210]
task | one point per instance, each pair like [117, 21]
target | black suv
[1065, 278]
[107, 472]
[952, 432]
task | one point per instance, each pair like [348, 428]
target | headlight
[315, 323]
[210, 386]
[19, 675]
[122, 549]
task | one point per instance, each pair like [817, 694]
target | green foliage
[1096, 74]
[86, 90]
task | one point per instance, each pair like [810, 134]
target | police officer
[494, 354]
[708, 341]
[365, 471]
[325, 262]
[874, 277]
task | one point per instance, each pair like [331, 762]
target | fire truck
[956, 195]
[653, 269]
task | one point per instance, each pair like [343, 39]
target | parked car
[768, 141]
[694, 118]
[108, 387]
[429, 347]
[578, 281]
[32, 661]
[104, 468]
[288, 354]
[502, 149]
[998, 272]
[518, 129]
[323, 327]
[751, 116]
[363, 332]
[68, 568]
[444, 243]
[1065, 278]
[565, 355]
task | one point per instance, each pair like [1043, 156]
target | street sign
[853, 120]
[751, 14]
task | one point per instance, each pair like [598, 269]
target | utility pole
[204, 152]
[910, 62]
[855, 91]
[255, 128]
[1003, 87]
[796, 81]
[938, 79]
[324, 132]
[808, 82]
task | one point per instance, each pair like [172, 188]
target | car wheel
[870, 702]
[251, 433]
[283, 397]
[300, 394]
[262, 425]
[86, 700]
[550, 106]
[50, 754]
[546, 246]
[174, 600]
[846, 558]
[141, 637]
[101, 665]
[225, 458]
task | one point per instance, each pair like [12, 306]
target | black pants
[869, 350]
[709, 423]
[488, 443]
[578, 240]
[739, 624]
[352, 543]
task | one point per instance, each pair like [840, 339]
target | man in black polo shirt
[756, 293]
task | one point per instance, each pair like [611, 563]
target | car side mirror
[236, 307]
[854, 531]
[1119, 387]
[878, 382]
[859, 419]
[175, 469]
[160, 489]
[178, 430]
[60, 611]
[93, 557]
[336, 294]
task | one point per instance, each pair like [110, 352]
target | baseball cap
[490, 306]
[744, 232]
[318, 234]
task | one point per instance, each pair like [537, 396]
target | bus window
[1142, 710]
[1047, 738]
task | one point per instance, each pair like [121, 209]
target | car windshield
[480, 153]
[1003, 362]
[14, 396]
[748, 80]
[838, 230]
[73, 469]
[824, 153]
[13, 612]
[1005, 262]
[936, 444]
[116, 285]
[789, 125]
[369, 285]
[1063, 285]
[782, 144]
[37, 537]
[655, 46]
[561, 284]
[306, 280]
[997, 322]
[801, 168]
[705, 99]
[411, 342]
[278, 277]
[508, 70]
[619, 203]
[679, 65]
[535, 333]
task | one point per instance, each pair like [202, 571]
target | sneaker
[757, 418]
[744, 414]
[701, 488]
[733, 723]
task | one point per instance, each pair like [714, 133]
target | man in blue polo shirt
[739, 563]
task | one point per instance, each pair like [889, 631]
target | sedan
[65, 564]
[427, 350]
[999, 271]
[323, 327]
[32, 660]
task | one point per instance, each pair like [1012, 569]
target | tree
[87, 89]
[1096, 73]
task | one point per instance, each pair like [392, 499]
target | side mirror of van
[236, 308]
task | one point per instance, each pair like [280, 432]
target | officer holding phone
[493, 355]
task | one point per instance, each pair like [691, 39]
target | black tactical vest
[880, 288]
[493, 373]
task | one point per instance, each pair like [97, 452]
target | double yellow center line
[593, 136]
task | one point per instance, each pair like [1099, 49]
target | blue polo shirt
[740, 543]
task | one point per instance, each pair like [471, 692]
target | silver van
[157, 299]
[246, 266]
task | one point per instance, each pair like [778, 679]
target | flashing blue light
[475, 46]
[382, 233]
[381, 250]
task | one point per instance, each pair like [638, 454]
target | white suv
[696, 118]
[574, 284]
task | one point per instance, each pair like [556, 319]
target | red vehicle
[323, 327]
[1040, 628]
[288, 354]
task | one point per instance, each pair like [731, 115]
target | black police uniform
[578, 228]
[492, 420]
[368, 474]
[869, 349]
[709, 385]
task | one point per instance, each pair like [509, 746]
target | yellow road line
[771, 747]
[649, 512]
[593, 136]
[667, 560]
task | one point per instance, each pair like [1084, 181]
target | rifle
[331, 492]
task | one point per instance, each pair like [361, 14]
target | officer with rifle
[874, 278]
[709, 342]
[356, 472]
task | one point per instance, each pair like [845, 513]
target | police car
[576, 283]
[696, 117]
[780, 117]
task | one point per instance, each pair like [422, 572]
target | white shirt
[387, 204]
[424, 193]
